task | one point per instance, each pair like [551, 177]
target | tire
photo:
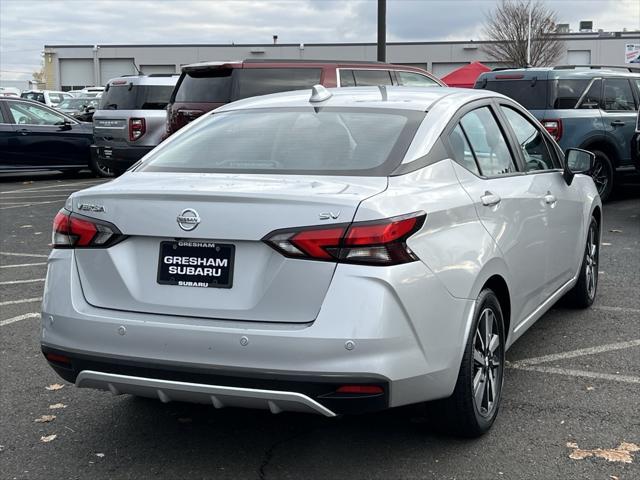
[603, 174]
[100, 169]
[584, 291]
[469, 412]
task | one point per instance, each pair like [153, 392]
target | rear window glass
[205, 86]
[36, 96]
[332, 141]
[252, 82]
[136, 97]
[531, 94]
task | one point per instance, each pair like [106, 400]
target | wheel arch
[604, 145]
[499, 286]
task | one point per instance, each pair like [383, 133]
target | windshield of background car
[77, 103]
[531, 94]
[329, 141]
[35, 96]
[136, 97]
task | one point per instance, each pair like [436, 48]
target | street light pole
[382, 30]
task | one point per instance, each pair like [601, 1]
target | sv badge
[329, 215]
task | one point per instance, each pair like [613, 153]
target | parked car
[10, 92]
[80, 108]
[635, 144]
[205, 86]
[131, 119]
[50, 98]
[325, 251]
[87, 92]
[591, 108]
[36, 137]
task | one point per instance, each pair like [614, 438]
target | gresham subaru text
[455, 223]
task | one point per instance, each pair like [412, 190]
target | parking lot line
[23, 265]
[46, 187]
[28, 204]
[14, 254]
[13, 282]
[579, 373]
[575, 353]
[22, 300]
[18, 318]
[617, 309]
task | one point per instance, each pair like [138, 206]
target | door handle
[617, 123]
[23, 131]
[550, 199]
[490, 199]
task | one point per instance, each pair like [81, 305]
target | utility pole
[382, 30]
[529, 38]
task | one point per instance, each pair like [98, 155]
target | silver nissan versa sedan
[325, 251]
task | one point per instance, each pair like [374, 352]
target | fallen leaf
[621, 453]
[613, 230]
[589, 388]
[613, 477]
[100, 455]
[45, 419]
[56, 406]
[48, 438]
[54, 386]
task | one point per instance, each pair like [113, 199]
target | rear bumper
[374, 328]
[121, 157]
[221, 388]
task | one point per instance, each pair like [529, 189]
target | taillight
[554, 127]
[379, 242]
[74, 231]
[137, 127]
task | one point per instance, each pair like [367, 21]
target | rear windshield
[227, 85]
[531, 94]
[136, 97]
[36, 96]
[331, 141]
[541, 94]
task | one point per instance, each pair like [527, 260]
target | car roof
[299, 63]
[560, 73]
[397, 97]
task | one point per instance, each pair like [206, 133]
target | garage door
[441, 69]
[579, 57]
[76, 72]
[115, 67]
[149, 69]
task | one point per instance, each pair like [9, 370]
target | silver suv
[131, 119]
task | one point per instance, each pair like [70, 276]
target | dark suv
[205, 86]
[589, 107]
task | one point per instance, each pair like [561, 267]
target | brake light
[73, 231]
[362, 389]
[554, 127]
[137, 128]
[379, 242]
[510, 77]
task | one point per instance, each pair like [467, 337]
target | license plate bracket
[190, 263]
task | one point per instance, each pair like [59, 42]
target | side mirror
[66, 125]
[577, 161]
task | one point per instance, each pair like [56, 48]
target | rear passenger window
[488, 143]
[412, 79]
[372, 77]
[531, 141]
[617, 95]
[251, 82]
[566, 93]
[462, 153]
[346, 78]
[593, 96]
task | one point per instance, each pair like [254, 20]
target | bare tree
[507, 28]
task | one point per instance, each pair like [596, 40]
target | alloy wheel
[600, 175]
[487, 364]
[591, 262]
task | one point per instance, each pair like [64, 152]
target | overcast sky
[26, 25]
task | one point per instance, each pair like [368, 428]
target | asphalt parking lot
[573, 387]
